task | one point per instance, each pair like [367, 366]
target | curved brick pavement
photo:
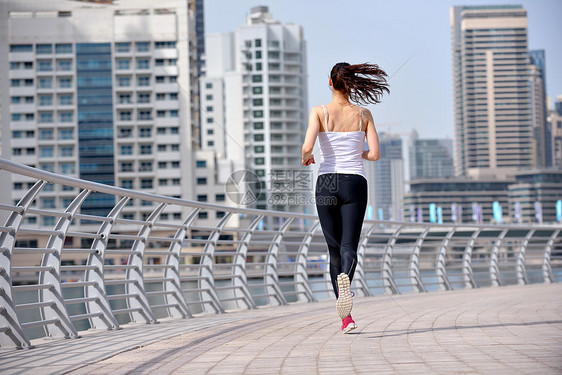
[507, 330]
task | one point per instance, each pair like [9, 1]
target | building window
[202, 198]
[146, 183]
[257, 102]
[201, 163]
[145, 166]
[123, 47]
[209, 108]
[143, 97]
[65, 83]
[175, 147]
[175, 164]
[45, 117]
[44, 49]
[258, 54]
[258, 66]
[66, 134]
[259, 161]
[201, 180]
[256, 78]
[67, 151]
[258, 137]
[210, 131]
[63, 48]
[143, 81]
[219, 197]
[45, 66]
[126, 150]
[143, 64]
[65, 99]
[209, 85]
[65, 117]
[46, 152]
[174, 130]
[258, 125]
[160, 131]
[202, 215]
[258, 114]
[143, 46]
[145, 115]
[123, 64]
[210, 143]
[160, 96]
[45, 83]
[146, 149]
[125, 116]
[67, 168]
[145, 132]
[127, 184]
[162, 45]
[161, 148]
[45, 100]
[64, 65]
[258, 149]
[124, 81]
[126, 167]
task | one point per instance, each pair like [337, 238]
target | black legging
[341, 200]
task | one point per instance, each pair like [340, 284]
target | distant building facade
[494, 133]
[430, 158]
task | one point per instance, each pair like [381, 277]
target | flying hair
[361, 83]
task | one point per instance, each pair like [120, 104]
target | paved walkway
[507, 330]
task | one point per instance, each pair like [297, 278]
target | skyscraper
[254, 102]
[100, 91]
[430, 158]
[493, 118]
[542, 135]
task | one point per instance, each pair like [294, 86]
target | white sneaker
[344, 303]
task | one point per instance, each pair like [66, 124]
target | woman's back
[341, 140]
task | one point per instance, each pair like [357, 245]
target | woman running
[341, 188]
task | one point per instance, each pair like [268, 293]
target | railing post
[359, 277]
[64, 327]
[387, 278]
[440, 264]
[207, 278]
[271, 279]
[172, 274]
[467, 273]
[522, 277]
[414, 267]
[9, 322]
[546, 268]
[494, 263]
[95, 277]
[140, 301]
[240, 278]
[302, 285]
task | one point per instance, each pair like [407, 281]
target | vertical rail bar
[14, 334]
[522, 277]
[301, 273]
[468, 275]
[359, 278]
[441, 261]
[240, 278]
[387, 278]
[64, 327]
[495, 276]
[100, 305]
[137, 288]
[414, 267]
[172, 274]
[207, 278]
[271, 279]
[546, 267]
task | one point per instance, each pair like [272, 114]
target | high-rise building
[555, 128]
[493, 118]
[254, 106]
[100, 91]
[430, 158]
[537, 80]
[386, 176]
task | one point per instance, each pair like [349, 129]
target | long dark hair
[361, 83]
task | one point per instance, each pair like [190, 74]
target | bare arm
[374, 151]
[310, 137]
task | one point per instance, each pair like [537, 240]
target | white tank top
[341, 151]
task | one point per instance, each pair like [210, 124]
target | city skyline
[404, 52]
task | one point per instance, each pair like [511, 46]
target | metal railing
[83, 271]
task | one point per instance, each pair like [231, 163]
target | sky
[409, 39]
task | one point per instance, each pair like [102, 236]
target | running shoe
[348, 324]
[344, 303]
